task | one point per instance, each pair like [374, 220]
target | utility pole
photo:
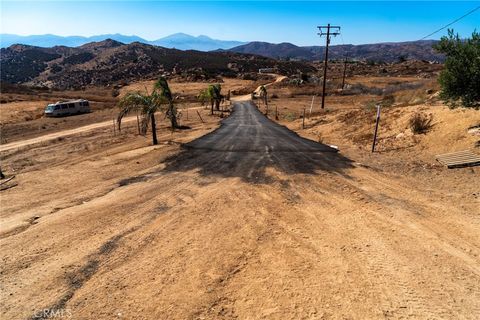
[335, 32]
[344, 72]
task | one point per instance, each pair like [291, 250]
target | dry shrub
[360, 89]
[370, 105]
[412, 97]
[389, 90]
[420, 123]
[362, 138]
[290, 116]
[392, 88]
[387, 101]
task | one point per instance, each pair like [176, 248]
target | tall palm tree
[161, 86]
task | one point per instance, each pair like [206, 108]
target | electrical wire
[458, 19]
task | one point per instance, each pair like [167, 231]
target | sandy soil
[108, 227]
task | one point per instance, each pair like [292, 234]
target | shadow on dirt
[251, 166]
[247, 143]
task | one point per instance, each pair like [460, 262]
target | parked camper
[266, 70]
[66, 108]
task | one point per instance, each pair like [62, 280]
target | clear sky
[285, 21]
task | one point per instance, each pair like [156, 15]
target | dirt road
[63, 133]
[248, 142]
[248, 222]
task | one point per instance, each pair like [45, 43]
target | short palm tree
[212, 94]
[218, 95]
[159, 99]
[263, 95]
[204, 97]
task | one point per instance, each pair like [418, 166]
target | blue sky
[285, 21]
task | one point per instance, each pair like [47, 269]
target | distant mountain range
[179, 41]
[386, 52]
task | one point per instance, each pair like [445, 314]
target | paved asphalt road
[247, 143]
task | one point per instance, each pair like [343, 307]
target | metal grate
[459, 159]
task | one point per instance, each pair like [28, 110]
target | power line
[331, 31]
[448, 25]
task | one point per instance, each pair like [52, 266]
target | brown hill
[380, 52]
[109, 61]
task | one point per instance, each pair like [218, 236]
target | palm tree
[203, 97]
[263, 95]
[213, 93]
[218, 95]
[164, 90]
[148, 104]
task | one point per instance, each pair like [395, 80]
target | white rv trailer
[266, 70]
[66, 108]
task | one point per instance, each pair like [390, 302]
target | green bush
[460, 79]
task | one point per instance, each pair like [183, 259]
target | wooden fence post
[303, 120]
[138, 124]
[376, 128]
[200, 116]
[311, 107]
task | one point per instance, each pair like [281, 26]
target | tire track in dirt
[74, 280]
[77, 278]
[418, 301]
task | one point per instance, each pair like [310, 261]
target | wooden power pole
[344, 72]
[335, 31]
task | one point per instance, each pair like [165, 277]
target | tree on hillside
[460, 79]
[159, 99]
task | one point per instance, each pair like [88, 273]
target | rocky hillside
[109, 61]
[380, 52]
